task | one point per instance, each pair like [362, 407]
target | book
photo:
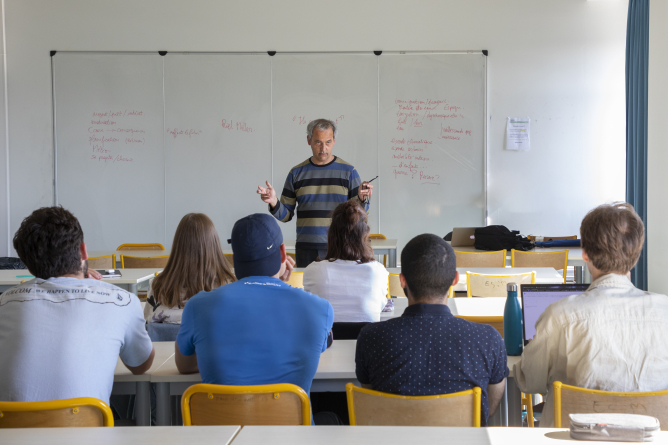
[109, 273]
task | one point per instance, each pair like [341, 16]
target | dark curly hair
[348, 235]
[49, 241]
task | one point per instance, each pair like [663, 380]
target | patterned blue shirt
[429, 351]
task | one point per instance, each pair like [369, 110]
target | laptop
[463, 236]
[536, 298]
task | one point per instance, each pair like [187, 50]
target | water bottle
[512, 322]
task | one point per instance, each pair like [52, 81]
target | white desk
[204, 435]
[140, 385]
[129, 280]
[477, 307]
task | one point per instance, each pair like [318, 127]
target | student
[257, 330]
[61, 334]
[427, 350]
[609, 338]
[349, 277]
[196, 263]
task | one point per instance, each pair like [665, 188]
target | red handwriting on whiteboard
[186, 132]
[237, 126]
[301, 120]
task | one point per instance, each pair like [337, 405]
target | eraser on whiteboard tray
[271, 53]
[162, 53]
[378, 53]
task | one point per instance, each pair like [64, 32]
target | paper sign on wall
[518, 132]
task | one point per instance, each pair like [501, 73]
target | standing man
[316, 187]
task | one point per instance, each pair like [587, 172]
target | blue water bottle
[512, 322]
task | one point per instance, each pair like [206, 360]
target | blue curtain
[637, 55]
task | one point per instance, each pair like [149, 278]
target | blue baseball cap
[256, 243]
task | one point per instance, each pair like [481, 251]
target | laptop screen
[537, 297]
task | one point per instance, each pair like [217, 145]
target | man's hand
[289, 265]
[94, 274]
[365, 190]
[268, 195]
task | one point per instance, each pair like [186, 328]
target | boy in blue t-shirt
[258, 330]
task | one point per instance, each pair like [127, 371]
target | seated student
[349, 277]
[196, 263]
[427, 350]
[608, 338]
[60, 333]
[257, 330]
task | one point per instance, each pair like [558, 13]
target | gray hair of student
[322, 125]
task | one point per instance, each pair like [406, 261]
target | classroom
[135, 115]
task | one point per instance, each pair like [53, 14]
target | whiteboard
[215, 126]
[109, 146]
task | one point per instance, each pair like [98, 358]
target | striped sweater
[316, 190]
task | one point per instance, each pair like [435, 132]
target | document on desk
[518, 133]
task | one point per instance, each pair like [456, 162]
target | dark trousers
[307, 256]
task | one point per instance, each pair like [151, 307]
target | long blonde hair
[196, 263]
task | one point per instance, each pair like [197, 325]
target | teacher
[316, 187]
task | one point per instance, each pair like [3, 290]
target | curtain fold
[637, 55]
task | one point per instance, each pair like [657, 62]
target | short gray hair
[322, 125]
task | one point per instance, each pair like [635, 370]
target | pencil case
[614, 427]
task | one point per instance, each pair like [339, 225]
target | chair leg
[528, 402]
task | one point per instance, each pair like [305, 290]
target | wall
[657, 181]
[561, 62]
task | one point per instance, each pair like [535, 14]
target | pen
[25, 276]
[366, 198]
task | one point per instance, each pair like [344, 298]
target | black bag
[9, 263]
[500, 238]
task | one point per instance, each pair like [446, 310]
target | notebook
[109, 273]
[463, 236]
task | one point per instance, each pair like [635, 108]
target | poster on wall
[518, 133]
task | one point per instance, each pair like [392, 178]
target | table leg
[143, 404]
[163, 411]
[514, 403]
[132, 288]
[392, 258]
[578, 274]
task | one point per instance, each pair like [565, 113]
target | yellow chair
[149, 246]
[494, 321]
[230, 259]
[557, 260]
[292, 255]
[102, 262]
[379, 236]
[572, 399]
[138, 262]
[494, 285]
[296, 280]
[369, 407]
[79, 412]
[552, 238]
[279, 404]
[481, 259]
[394, 288]
[528, 403]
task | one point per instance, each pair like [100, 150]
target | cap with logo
[256, 243]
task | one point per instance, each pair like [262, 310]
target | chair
[379, 236]
[528, 403]
[494, 321]
[394, 288]
[369, 407]
[292, 255]
[558, 260]
[572, 399]
[138, 262]
[296, 280]
[79, 412]
[279, 404]
[482, 285]
[347, 330]
[162, 331]
[149, 246]
[230, 259]
[550, 238]
[481, 259]
[102, 262]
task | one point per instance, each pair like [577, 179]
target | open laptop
[537, 297]
[463, 236]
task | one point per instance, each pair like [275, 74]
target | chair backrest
[557, 260]
[83, 411]
[230, 259]
[572, 399]
[296, 280]
[148, 246]
[162, 331]
[550, 238]
[102, 262]
[380, 236]
[138, 262]
[494, 321]
[347, 330]
[279, 404]
[481, 259]
[369, 407]
[481, 285]
[394, 286]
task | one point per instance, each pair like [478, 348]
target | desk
[335, 369]
[140, 385]
[129, 280]
[205, 435]
[478, 307]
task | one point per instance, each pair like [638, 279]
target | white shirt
[161, 313]
[357, 292]
[60, 338]
[610, 338]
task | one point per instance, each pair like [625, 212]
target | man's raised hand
[268, 194]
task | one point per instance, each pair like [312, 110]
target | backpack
[500, 238]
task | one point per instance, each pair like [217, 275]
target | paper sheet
[518, 133]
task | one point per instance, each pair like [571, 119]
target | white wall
[657, 179]
[561, 62]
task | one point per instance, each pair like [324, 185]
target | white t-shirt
[357, 292]
[161, 313]
[61, 338]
